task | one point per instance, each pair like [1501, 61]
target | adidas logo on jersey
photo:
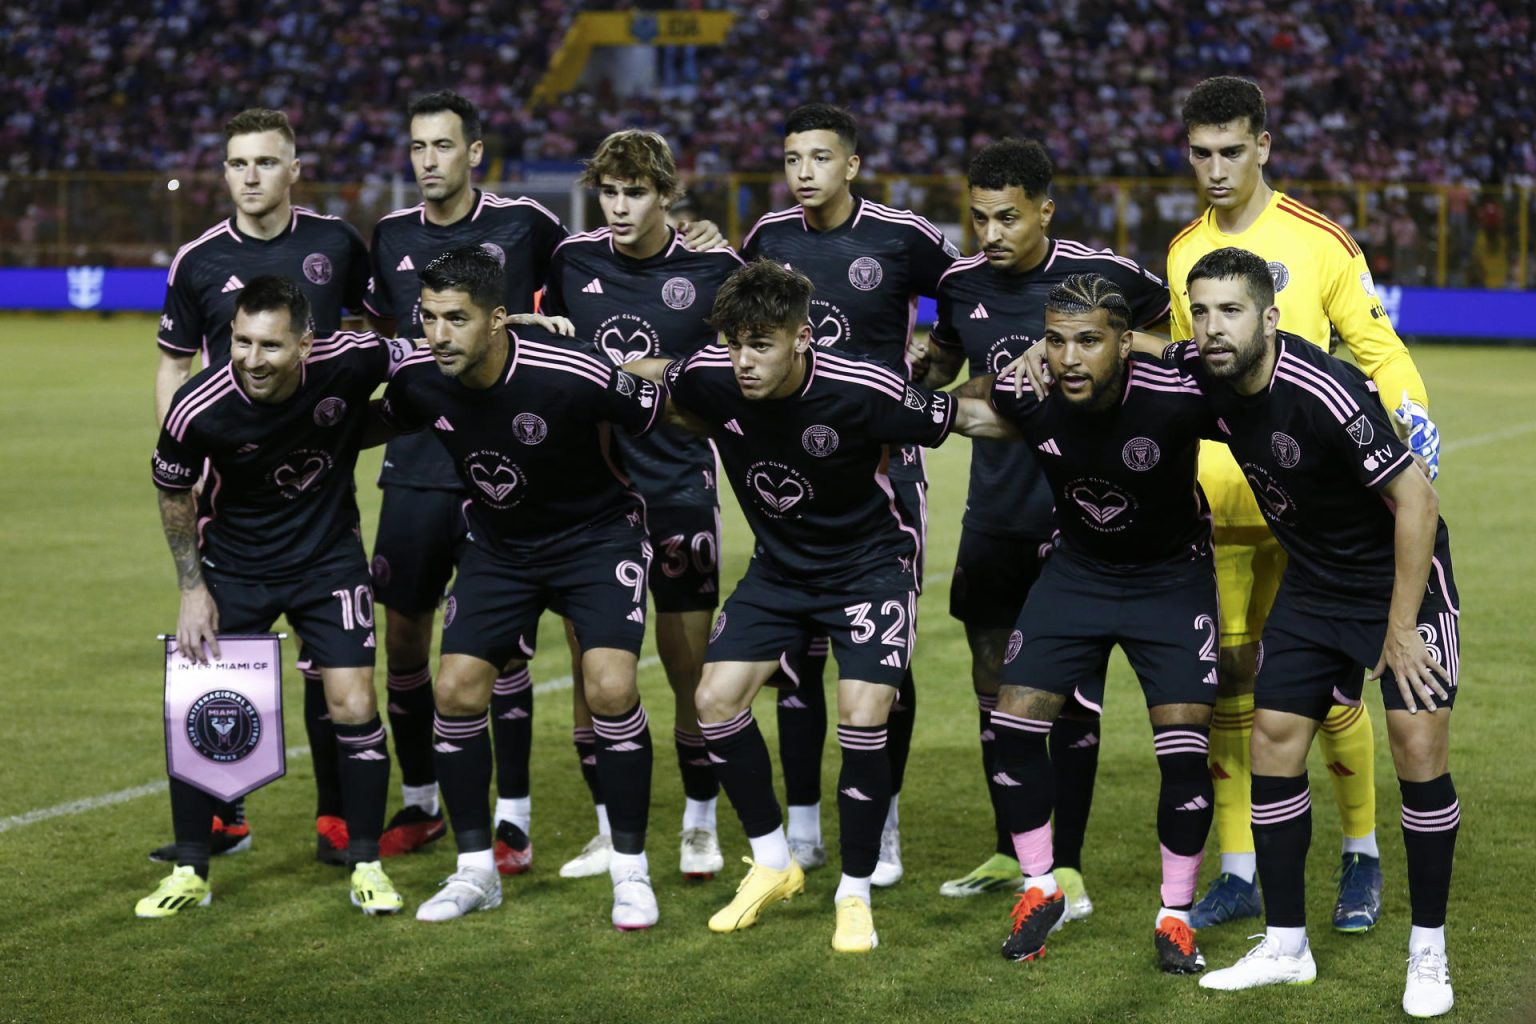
[405, 263]
[595, 288]
[234, 284]
[638, 615]
[734, 427]
[443, 424]
[892, 660]
[1049, 446]
[979, 313]
[369, 642]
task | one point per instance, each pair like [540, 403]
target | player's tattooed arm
[976, 387]
[198, 621]
[1416, 510]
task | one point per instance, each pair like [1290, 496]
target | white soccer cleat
[592, 860]
[700, 857]
[464, 892]
[1264, 964]
[634, 903]
[888, 870]
[1428, 992]
[807, 854]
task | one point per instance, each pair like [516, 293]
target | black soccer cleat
[1176, 949]
[1035, 916]
[222, 839]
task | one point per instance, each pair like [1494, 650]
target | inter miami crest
[329, 411]
[1286, 451]
[223, 726]
[529, 428]
[865, 273]
[317, 267]
[1140, 453]
[678, 293]
[1281, 275]
[819, 440]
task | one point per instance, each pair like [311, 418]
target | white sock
[892, 817]
[771, 850]
[1046, 883]
[602, 821]
[1243, 865]
[1289, 941]
[1365, 844]
[622, 865]
[1177, 915]
[805, 823]
[424, 797]
[1434, 938]
[516, 809]
[850, 886]
[480, 860]
[699, 814]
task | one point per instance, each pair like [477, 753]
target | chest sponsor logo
[1285, 449]
[499, 481]
[223, 726]
[779, 488]
[1140, 453]
[914, 400]
[819, 440]
[678, 293]
[529, 428]
[497, 252]
[626, 337]
[300, 472]
[1360, 431]
[1281, 275]
[329, 411]
[829, 325]
[317, 268]
[865, 273]
[1102, 503]
[1274, 501]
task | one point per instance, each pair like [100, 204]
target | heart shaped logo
[622, 348]
[294, 478]
[496, 481]
[1101, 507]
[781, 495]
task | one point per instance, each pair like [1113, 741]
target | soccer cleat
[177, 891]
[1428, 992]
[1228, 898]
[331, 840]
[761, 886]
[513, 849]
[634, 903]
[372, 891]
[700, 856]
[1264, 964]
[463, 892]
[410, 830]
[888, 870]
[1079, 906]
[996, 873]
[1359, 906]
[222, 839]
[1035, 916]
[592, 860]
[855, 927]
[1176, 949]
[807, 854]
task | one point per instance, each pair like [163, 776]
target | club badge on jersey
[224, 718]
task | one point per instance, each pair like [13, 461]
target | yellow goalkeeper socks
[1349, 747]
[1231, 725]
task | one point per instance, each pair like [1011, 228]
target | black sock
[1024, 773]
[322, 746]
[898, 730]
[624, 760]
[230, 812]
[363, 765]
[512, 732]
[863, 796]
[1431, 819]
[740, 759]
[699, 782]
[191, 818]
[585, 741]
[462, 759]
[986, 704]
[410, 719]
[1282, 832]
[802, 717]
[1074, 747]
[1185, 806]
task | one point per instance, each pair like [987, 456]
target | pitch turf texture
[87, 585]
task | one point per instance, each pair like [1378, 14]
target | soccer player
[552, 522]
[1368, 585]
[991, 309]
[635, 288]
[267, 234]
[869, 264]
[275, 532]
[1322, 283]
[804, 434]
[1118, 439]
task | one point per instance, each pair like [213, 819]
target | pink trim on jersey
[222, 226]
[491, 199]
[1382, 475]
[217, 482]
[179, 348]
[1169, 382]
[965, 263]
[1327, 383]
[774, 218]
[1445, 591]
[1282, 373]
[600, 377]
[419, 208]
[1308, 379]
[306, 211]
[907, 218]
[1077, 250]
[1340, 697]
[203, 397]
[872, 373]
[595, 235]
[1051, 258]
[340, 344]
[1450, 643]
[788, 670]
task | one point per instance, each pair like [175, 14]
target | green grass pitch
[87, 585]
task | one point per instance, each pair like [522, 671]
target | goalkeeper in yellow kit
[1321, 283]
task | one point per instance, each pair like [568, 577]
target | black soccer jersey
[1316, 447]
[810, 470]
[993, 317]
[535, 450]
[519, 232]
[635, 309]
[1123, 478]
[279, 490]
[325, 255]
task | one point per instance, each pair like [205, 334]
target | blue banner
[93, 288]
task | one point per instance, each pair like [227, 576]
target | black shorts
[421, 535]
[872, 627]
[1309, 661]
[911, 498]
[992, 577]
[493, 612]
[1166, 623]
[686, 574]
[331, 607]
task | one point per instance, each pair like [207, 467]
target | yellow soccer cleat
[762, 886]
[178, 890]
[855, 927]
[372, 891]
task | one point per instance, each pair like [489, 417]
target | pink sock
[1034, 850]
[1179, 876]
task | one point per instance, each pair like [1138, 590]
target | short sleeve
[919, 416]
[1364, 438]
[943, 332]
[634, 403]
[1013, 408]
[399, 408]
[181, 319]
[177, 463]
[932, 255]
[358, 271]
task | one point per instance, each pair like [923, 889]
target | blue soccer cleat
[1359, 906]
[1228, 899]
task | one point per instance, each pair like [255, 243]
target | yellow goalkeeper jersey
[1321, 279]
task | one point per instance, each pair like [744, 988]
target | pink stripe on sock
[1034, 850]
[1179, 876]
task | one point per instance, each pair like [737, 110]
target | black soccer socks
[1282, 832]
[624, 761]
[461, 750]
[363, 764]
[512, 732]
[740, 759]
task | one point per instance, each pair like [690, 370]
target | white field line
[93, 803]
[1476, 440]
